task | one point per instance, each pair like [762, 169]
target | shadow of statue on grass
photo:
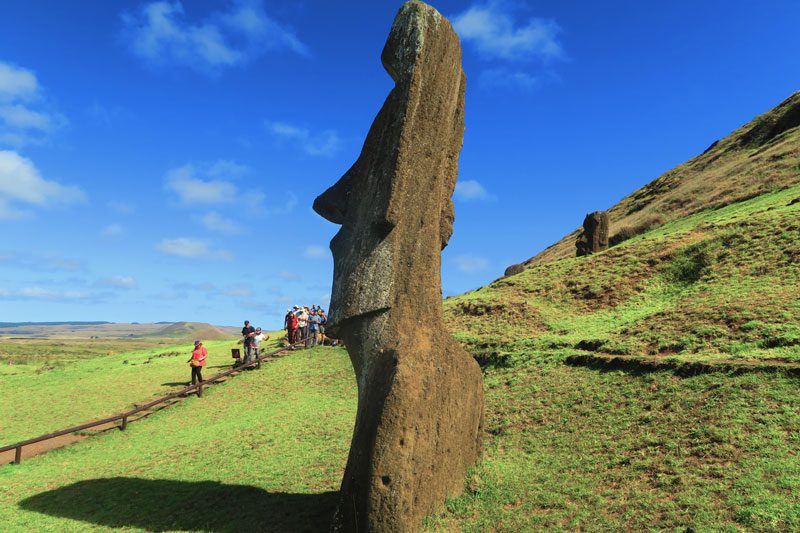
[169, 505]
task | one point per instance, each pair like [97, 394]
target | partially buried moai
[594, 237]
[420, 395]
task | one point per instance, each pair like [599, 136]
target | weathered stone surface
[594, 237]
[514, 269]
[420, 395]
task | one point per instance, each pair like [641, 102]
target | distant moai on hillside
[594, 237]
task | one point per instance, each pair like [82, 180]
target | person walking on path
[302, 325]
[258, 338]
[248, 332]
[198, 361]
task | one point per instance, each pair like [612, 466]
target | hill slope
[761, 156]
[717, 279]
[193, 330]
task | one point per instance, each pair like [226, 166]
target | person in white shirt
[258, 338]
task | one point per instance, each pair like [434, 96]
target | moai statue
[420, 395]
[594, 237]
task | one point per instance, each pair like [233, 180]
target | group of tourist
[305, 327]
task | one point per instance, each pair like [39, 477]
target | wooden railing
[123, 417]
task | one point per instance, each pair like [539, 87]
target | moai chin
[420, 395]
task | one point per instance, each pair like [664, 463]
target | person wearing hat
[248, 332]
[290, 325]
[198, 361]
[258, 338]
[302, 326]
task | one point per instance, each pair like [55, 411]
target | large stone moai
[420, 395]
[594, 237]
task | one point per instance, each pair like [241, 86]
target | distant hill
[194, 330]
[759, 157]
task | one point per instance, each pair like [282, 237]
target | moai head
[394, 204]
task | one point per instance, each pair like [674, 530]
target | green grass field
[264, 451]
[566, 448]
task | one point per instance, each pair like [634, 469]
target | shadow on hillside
[162, 504]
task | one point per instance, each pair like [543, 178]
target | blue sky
[158, 160]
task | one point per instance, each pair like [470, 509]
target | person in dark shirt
[248, 332]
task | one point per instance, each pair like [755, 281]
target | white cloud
[21, 183]
[203, 185]
[192, 190]
[16, 83]
[467, 190]
[39, 293]
[159, 33]
[216, 222]
[118, 282]
[505, 78]
[315, 252]
[192, 248]
[24, 115]
[470, 264]
[225, 169]
[315, 144]
[112, 230]
[496, 36]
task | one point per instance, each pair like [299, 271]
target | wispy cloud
[315, 252]
[112, 230]
[470, 264]
[192, 248]
[212, 184]
[191, 189]
[322, 143]
[43, 294]
[117, 282]
[289, 276]
[25, 116]
[470, 190]
[23, 187]
[238, 291]
[496, 36]
[216, 222]
[41, 263]
[160, 33]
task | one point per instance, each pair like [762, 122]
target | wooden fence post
[18, 455]
[124, 425]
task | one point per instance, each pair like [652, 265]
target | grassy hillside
[722, 284]
[262, 452]
[566, 449]
[35, 400]
[759, 157]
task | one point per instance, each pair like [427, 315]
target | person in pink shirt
[198, 361]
